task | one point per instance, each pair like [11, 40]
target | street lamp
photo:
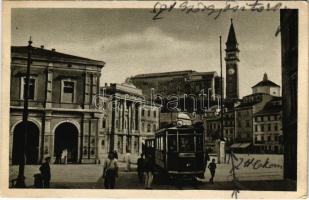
[20, 181]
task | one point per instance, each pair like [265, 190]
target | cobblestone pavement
[89, 175]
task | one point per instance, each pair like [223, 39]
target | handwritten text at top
[210, 9]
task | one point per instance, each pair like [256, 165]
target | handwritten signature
[253, 163]
[210, 9]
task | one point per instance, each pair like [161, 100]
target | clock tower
[231, 60]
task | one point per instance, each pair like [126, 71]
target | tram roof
[181, 128]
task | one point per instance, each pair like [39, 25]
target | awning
[240, 145]
[244, 145]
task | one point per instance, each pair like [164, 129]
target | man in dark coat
[45, 172]
[212, 168]
[140, 167]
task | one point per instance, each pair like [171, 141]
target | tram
[178, 151]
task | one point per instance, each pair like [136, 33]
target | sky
[131, 43]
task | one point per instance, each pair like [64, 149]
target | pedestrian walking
[212, 168]
[64, 156]
[45, 172]
[140, 167]
[128, 161]
[149, 171]
[110, 171]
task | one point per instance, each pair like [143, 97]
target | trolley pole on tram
[20, 181]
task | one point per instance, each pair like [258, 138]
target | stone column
[49, 86]
[48, 144]
[87, 90]
[129, 119]
[124, 144]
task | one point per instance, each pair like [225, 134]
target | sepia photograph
[172, 96]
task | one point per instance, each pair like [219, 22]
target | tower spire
[265, 78]
[231, 39]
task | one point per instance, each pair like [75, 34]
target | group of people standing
[62, 157]
[145, 169]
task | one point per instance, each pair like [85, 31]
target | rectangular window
[154, 113]
[276, 127]
[68, 91]
[269, 127]
[103, 123]
[148, 128]
[143, 112]
[247, 123]
[117, 124]
[172, 143]
[186, 143]
[239, 124]
[268, 138]
[31, 90]
[262, 127]
[256, 128]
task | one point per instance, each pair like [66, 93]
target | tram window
[186, 143]
[172, 143]
[199, 143]
[157, 143]
[161, 144]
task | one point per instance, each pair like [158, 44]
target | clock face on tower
[231, 71]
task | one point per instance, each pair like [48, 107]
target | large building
[267, 87]
[247, 128]
[61, 114]
[268, 127]
[178, 83]
[127, 120]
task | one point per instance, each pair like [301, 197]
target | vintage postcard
[146, 99]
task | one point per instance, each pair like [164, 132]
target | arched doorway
[66, 137]
[32, 143]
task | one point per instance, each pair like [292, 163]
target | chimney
[42, 46]
[53, 49]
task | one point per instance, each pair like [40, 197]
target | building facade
[178, 83]
[244, 113]
[289, 58]
[61, 114]
[268, 128]
[229, 126]
[267, 87]
[127, 120]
